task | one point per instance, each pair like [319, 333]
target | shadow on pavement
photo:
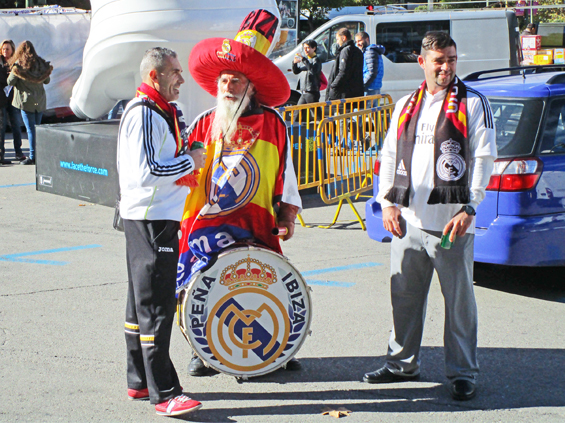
[544, 283]
[510, 378]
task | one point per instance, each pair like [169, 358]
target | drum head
[248, 314]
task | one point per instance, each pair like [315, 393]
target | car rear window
[553, 139]
[517, 122]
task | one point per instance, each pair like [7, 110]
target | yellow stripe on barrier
[303, 122]
[334, 146]
[348, 145]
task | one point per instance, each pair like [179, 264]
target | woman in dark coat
[3, 104]
[7, 49]
[28, 75]
[312, 67]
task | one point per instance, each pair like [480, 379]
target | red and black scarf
[173, 114]
[451, 148]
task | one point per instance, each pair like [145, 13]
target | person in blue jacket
[373, 69]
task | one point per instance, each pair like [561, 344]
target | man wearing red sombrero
[248, 185]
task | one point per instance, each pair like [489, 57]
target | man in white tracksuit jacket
[151, 158]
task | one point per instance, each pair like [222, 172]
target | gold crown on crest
[248, 272]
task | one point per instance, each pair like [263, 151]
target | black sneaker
[20, 157]
[28, 161]
[5, 161]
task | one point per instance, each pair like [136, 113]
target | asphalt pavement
[62, 350]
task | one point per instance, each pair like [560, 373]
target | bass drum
[248, 314]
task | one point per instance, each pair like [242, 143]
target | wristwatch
[469, 210]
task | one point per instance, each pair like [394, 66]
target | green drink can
[446, 243]
[196, 145]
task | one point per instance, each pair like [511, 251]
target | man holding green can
[435, 165]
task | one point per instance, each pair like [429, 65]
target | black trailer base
[78, 160]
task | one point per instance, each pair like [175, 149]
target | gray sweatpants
[413, 260]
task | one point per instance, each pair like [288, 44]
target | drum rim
[188, 287]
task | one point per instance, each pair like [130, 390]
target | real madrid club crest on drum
[248, 314]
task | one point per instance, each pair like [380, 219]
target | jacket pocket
[165, 232]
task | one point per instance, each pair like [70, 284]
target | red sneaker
[138, 394]
[177, 406]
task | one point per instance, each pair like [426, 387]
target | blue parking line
[16, 257]
[340, 268]
[336, 269]
[16, 185]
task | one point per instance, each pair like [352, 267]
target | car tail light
[515, 174]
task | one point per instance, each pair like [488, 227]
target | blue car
[521, 221]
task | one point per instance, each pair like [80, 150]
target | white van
[486, 39]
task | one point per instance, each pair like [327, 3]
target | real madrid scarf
[451, 148]
[173, 114]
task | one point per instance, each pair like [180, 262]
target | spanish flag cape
[238, 189]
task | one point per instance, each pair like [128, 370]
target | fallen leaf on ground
[337, 413]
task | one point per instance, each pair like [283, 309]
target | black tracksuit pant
[152, 249]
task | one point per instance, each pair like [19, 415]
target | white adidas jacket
[148, 168]
[482, 146]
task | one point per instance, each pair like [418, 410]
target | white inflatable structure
[58, 35]
[121, 31]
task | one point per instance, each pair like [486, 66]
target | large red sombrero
[245, 54]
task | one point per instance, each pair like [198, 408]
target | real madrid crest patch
[450, 165]
[248, 314]
[226, 51]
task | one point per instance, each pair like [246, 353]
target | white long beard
[227, 115]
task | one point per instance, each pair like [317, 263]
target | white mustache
[230, 96]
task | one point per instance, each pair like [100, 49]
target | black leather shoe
[462, 390]
[293, 365]
[384, 375]
[197, 368]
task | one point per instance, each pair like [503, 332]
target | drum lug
[241, 379]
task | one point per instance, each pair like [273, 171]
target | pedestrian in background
[310, 68]
[373, 67]
[346, 77]
[530, 30]
[3, 103]
[28, 74]
[7, 50]
[436, 164]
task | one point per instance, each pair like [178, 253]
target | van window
[403, 40]
[327, 46]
